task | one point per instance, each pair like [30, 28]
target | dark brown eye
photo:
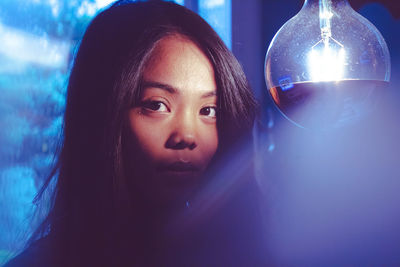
[155, 106]
[209, 112]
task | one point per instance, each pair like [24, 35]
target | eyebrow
[172, 90]
[209, 94]
[166, 87]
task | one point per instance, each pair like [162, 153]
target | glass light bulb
[326, 65]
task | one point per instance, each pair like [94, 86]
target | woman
[156, 104]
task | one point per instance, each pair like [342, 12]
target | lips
[179, 167]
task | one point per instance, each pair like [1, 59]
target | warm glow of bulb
[326, 64]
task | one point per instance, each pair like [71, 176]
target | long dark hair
[104, 83]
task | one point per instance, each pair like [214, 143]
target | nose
[183, 134]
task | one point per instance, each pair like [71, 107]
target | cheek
[208, 142]
[148, 136]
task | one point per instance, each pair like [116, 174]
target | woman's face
[173, 129]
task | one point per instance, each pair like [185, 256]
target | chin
[176, 188]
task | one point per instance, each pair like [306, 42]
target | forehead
[179, 62]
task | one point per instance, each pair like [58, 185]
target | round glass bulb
[326, 65]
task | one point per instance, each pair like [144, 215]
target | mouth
[180, 167]
[179, 177]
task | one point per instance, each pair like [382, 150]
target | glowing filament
[325, 15]
[326, 64]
